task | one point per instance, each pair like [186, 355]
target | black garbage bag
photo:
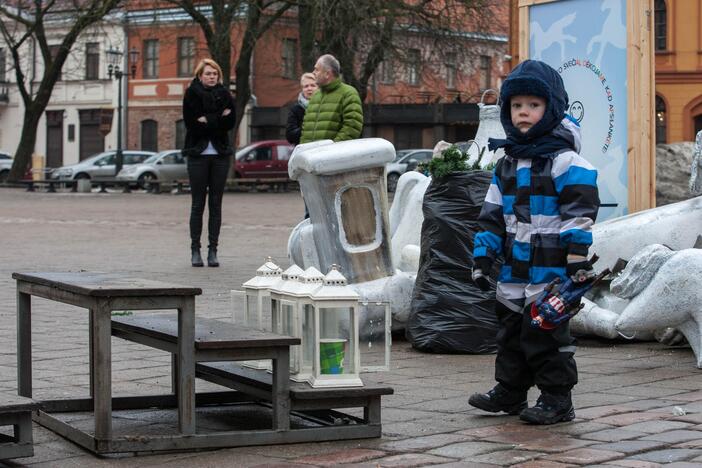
[448, 313]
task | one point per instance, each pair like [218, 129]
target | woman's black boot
[212, 257]
[196, 257]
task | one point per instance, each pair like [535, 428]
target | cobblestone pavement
[629, 402]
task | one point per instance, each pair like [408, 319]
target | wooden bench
[224, 342]
[16, 411]
[219, 341]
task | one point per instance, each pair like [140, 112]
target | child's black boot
[500, 399]
[550, 408]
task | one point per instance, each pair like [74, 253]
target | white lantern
[256, 310]
[283, 305]
[375, 335]
[336, 360]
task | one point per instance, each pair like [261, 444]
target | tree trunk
[25, 150]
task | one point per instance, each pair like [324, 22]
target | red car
[263, 160]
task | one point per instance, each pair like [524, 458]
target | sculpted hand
[202, 119]
[226, 112]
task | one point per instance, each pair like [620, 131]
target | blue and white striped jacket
[537, 211]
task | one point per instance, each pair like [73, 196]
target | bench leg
[371, 413]
[23, 429]
[280, 398]
[101, 369]
[24, 345]
[186, 367]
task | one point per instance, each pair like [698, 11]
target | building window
[485, 71]
[660, 25]
[53, 50]
[186, 56]
[290, 59]
[451, 71]
[660, 120]
[149, 135]
[413, 66]
[150, 67]
[92, 61]
[387, 72]
[180, 134]
[3, 77]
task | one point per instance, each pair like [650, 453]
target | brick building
[412, 104]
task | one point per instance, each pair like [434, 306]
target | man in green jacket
[335, 111]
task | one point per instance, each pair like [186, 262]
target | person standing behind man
[208, 113]
[335, 112]
[293, 131]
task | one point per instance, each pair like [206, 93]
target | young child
[537, 214]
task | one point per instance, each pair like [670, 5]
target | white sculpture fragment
[664, 288]
[696, 168]
[489, 127]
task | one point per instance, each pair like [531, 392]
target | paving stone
[578, 427]
[423, 443]
[627, 419]
[693, 444]
[633, 463]
[337, 458]
[469, 449]
[405, 460]
[584, 456]
[612, 435]
[674, 437]
[597, 412]
[630, 446]
[542, 464]
[691, 396]
[668, 455]
[507, 457]
[694, 418]
[683, 464]
[651, 427]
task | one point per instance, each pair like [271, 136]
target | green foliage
[452, 159]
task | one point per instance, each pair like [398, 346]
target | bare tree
[258, 16]
[364, 33]
[24, 21]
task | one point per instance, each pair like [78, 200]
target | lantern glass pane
[372, 335]
[252, 311]
[239, 307]
[307, 336]
[266, 319]
[335, 345]
[276, 319]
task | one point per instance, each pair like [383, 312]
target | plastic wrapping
[448, 313]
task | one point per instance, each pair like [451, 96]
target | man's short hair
[331, 63]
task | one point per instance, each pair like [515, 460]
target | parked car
[405, 160]
[165, 166]
[5, 165]
[99, 166]
[263, 160]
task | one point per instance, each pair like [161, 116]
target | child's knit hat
[534, 78]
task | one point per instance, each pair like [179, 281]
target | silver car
[5, 165]
[100, 166]
[165, 166]
[405, 160]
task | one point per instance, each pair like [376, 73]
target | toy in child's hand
[559, 302]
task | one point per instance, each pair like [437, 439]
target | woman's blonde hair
[307, 75]
[205, 62]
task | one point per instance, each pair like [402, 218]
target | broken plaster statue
[663, 289]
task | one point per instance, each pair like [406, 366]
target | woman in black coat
[293, 131]
[208, 113]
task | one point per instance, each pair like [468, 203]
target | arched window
[179, 134]
[661, 24]
[660, 120]
[149, 135]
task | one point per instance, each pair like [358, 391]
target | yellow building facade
[677, 28]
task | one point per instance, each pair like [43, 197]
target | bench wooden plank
[105, 284]
[10, 403]
[209, 333]
[298, 390]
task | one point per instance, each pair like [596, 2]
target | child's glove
[479, 276]
[579, 268]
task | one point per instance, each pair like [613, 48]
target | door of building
[91, 140]
[54, 139]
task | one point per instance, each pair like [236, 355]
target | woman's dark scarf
[214, 98]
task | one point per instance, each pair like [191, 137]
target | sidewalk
[629, 401]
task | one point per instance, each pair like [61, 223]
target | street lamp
[114, 57]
